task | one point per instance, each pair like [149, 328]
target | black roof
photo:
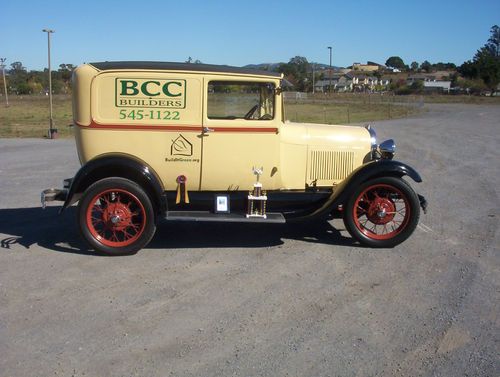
[172, 66]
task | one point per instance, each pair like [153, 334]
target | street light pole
[330, 87]
[51, 121]
[313, 76]
[2, 65]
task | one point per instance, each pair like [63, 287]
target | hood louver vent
[330, 165]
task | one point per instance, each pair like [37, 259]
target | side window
[240, 100]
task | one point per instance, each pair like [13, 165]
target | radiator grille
[330, 165]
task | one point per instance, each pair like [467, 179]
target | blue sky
[243, 32]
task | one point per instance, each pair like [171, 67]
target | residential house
[350, 81]
[339, 83]
[385, 80]
[363, 82]
[437, 85]
[430, 81]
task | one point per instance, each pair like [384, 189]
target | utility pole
[51, 121]
[313, 76]
[2, 65]
[330, 86]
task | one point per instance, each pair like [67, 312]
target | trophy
[257, 197]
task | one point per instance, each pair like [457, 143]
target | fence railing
[346, 108]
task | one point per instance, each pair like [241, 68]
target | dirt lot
[232, 300]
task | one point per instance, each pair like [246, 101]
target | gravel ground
[280, 300]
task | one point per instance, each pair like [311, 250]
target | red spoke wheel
[116, 217]
[382, 212]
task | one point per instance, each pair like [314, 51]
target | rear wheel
[116, 217]
[382, 212]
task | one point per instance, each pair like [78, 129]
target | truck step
[276, 218]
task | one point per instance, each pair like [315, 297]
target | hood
[327, 135]
[331, 152]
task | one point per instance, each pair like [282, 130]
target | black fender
[370, 170]
[117, 165]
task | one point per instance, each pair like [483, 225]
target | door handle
[207, 129]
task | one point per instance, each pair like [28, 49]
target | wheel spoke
[97, 220]
[127, 234]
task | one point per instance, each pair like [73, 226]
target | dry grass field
[27, 116]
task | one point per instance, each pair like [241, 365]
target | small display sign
[222, 204]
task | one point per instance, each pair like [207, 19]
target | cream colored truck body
[175, 136]
[184, 142]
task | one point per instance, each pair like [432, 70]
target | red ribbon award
[182, 189]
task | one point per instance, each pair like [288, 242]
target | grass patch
[28, 116]
[345, 113]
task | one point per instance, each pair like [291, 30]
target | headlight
[387, 149]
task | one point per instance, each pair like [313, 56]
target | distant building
[339, 83]
[385, 80]
[394, 70]
[430, 81]
[370, 67]
[419, 77]
[439, 86]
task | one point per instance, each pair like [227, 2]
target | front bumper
[423, 202]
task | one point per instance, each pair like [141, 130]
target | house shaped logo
[181, 147]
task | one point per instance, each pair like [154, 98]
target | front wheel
[382, 212]
[116, 217]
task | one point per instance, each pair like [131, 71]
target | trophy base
[254, 215]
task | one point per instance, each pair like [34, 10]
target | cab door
[240, 131]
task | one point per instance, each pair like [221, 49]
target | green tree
[486, 62]
[23, 88]
[414, 66]
[22, 81]
[17, 67]
[444, 66]
[493, 44]
[18, 77]
[426, 66]
[489, 68]
[296, 71]
[417, 86]
[395, 62]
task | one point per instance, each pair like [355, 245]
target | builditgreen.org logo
[150, 93]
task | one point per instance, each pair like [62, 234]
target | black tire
[116, 217]
[382, 212]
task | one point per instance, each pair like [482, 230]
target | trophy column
[257, 198]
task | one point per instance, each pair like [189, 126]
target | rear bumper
[53, 194]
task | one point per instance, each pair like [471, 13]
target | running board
[276, 218]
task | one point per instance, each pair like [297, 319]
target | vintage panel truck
[196, 142]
